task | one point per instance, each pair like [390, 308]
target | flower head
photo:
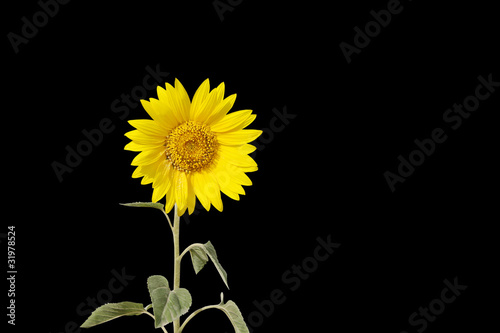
[193, 149]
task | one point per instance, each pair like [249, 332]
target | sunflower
[193, 149]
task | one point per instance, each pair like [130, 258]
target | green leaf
[199, 257]
[112, 311]
[156, 205]
[168, 305]
[233, 313]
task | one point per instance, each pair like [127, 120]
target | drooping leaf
[199, 258]
[234, 314]
[168, 305]
[112, 311]
[213, 256]
[156, 205]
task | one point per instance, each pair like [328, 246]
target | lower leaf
[168, 305]
[233, 313]
[156, 205]
[112, 311]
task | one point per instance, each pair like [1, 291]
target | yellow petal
[231, 189]
[237, 174]
[228, 184]
[234, 121]
[181, 190]
[239, 137]
[221, 110]
[212, 190]
[146, 140]
[132, 146]
[146, 180]
[149, 109]
[157, 113]
[198, 179]
[231, 194]
[199, 98]
[158, 194]
[249, 169]
[183, 97]
[148, 156]
[246, 148]
[205, 102]
[191, 200]
[234, 156]
[148, 127]
[147, 171]
[163, 176]
[169, 199]
[137, 173]
[181, 211]
[220, 92]
[175, 104]
[163, 109]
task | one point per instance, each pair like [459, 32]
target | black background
[321, 175]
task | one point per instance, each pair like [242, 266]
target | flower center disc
[191, 146]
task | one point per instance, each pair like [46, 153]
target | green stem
[163, 328]
[194, 314]
[168, 219]
[177, 261]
